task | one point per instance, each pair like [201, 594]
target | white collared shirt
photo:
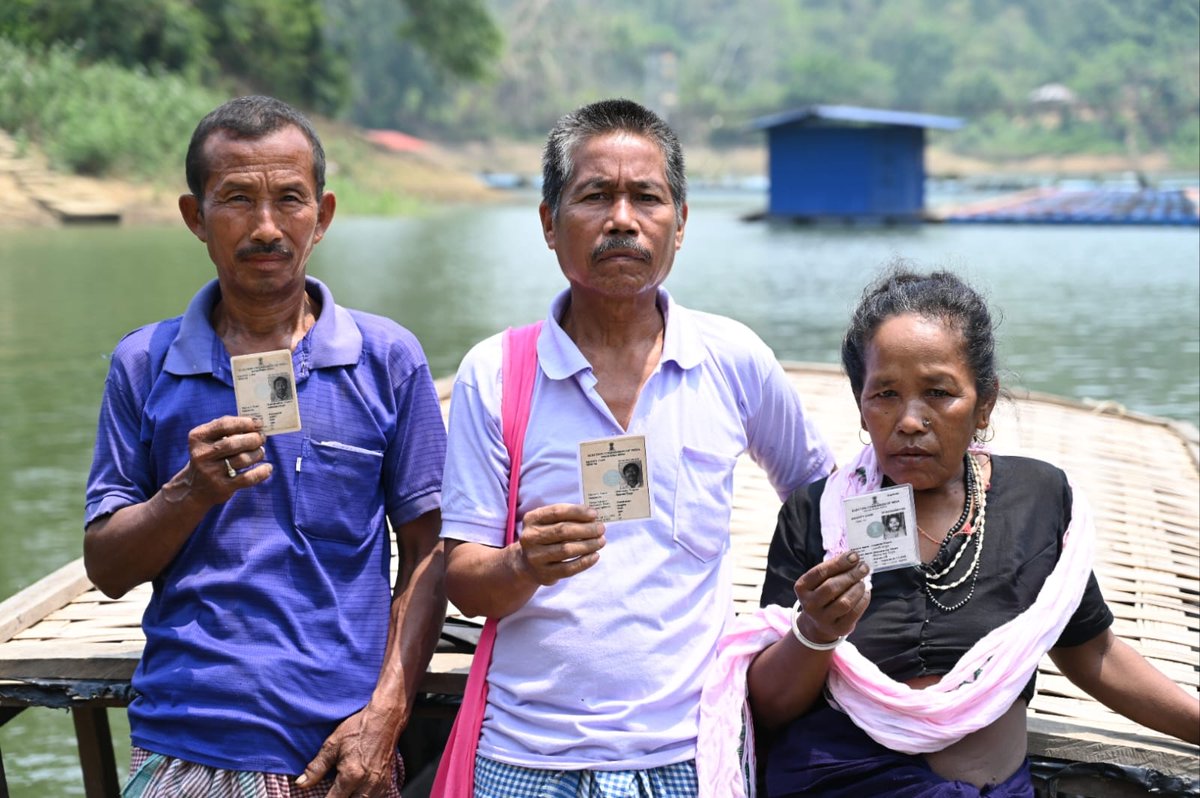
[604, 669]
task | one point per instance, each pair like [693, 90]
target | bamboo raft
[63, 644]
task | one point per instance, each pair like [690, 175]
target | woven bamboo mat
[1140, 474]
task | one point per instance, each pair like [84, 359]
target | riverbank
[370, 179]
[366, 179]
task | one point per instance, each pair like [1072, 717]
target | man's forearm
[134, 544]
[417, 611]
[489, 582]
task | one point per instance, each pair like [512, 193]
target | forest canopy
[1121, 72]
[1030, 77]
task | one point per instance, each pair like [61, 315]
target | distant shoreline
[453, 174]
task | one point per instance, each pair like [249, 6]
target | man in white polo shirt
[607, 628]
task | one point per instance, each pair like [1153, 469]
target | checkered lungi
[156, 776]
[498, 780]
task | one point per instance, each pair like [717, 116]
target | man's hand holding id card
[616, 483]
[264, 385]
[882, 528]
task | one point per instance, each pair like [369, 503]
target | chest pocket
[337, 491]
[703, 498]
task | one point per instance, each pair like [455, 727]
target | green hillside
[113, 87]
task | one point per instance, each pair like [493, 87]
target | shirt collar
[560, 357]
[335, 339]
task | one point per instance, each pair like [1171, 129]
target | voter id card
[615, 478]
[882, 527]
[264, 384]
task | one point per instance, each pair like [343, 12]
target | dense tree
[278, 47]
[326, 55]
[171, 34]
[410, 59]
[1131, 66]
[463, 69]
[274, 46]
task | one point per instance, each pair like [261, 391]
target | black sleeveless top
[906, 634]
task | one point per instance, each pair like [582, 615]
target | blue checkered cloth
[497, 780]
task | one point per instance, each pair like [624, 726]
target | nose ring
[925, 421]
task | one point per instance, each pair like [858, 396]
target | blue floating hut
[845, 163]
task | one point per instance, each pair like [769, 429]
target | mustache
[621, 242]
[274, 248]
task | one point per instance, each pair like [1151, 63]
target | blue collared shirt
[268, 627]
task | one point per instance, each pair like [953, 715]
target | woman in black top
[992, 530]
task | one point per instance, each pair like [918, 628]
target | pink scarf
[977, 690]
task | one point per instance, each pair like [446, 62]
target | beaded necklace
[968, 506]
[976, 497]
[968, 503]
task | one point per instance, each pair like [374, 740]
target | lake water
[1103, 313]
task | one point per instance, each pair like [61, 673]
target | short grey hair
[597, 119]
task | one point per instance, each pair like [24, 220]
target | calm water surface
[1089, 312]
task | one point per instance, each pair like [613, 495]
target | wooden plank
[115, 634]
[87, 610]
[66, 693]
[1079, 743]
[34, 602]
[57, 660]
[110, 624]
[96, 752]
[41, 630]
[90, 638]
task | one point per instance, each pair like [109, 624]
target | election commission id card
[614, 478]
[882, 528]
[264, 384]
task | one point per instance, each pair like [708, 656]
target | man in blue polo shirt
[275, 646]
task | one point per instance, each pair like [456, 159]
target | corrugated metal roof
[851, 113]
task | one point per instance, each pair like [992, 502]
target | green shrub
[1000, 136]
[99, 119]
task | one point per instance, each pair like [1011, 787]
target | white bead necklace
[977, 496]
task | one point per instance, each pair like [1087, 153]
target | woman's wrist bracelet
[796, 610]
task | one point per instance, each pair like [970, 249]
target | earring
[867, 442]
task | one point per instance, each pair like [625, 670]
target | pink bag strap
[518, 375]
[456, 772]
